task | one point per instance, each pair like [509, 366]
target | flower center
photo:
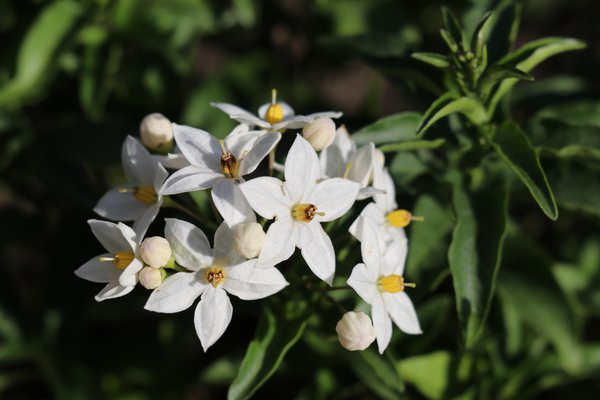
[393, 284]
[215, 276]
[142, 193]
[401, 218]
[229, 164]
[305, 212]
[121, 260]
[274, 113]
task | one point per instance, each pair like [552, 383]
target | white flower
[379, 282]
[118, 267]
[299, 205]
[220, 165]
[383, 212]
[343, 160]
[215, 273]
[355, 331]
[249, 239]
[156, 132]
[138, 200]
[274, 116]
[155, 251]
[320, 133]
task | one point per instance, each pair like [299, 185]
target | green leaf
[410, 145]
[474, 254]
[528, 57]
[34, 61]
[429, 373]
[275, 335]
[377, 373]
[393, 128]
[448, 104]
[453, 27]
[577, 186]
[515, 149]
[480, 34]
[504, 29]
[498, 73]
[437, 60]
[561, 139]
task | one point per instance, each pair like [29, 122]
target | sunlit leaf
[449, 104]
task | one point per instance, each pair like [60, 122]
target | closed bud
[355, 331]
[151, 278]
[155, 251]
[249, 238]
[320, 133]
[156, 133]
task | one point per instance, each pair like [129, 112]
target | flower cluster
[293, 200]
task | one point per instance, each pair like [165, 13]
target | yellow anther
[274, 113]
[120, 260]
[402, 218]
[305, 212]
[393, 284]
[142, 193]
[215, 276]
[229, 164]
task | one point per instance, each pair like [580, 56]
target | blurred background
[76, 77]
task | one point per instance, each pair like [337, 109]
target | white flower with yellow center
[138, 200]
[343, 160]
[299, 205]
[220, 165]
[379, 282]
[120, 266]
[273, 116]
[214, 274]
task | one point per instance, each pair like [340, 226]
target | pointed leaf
[498, 73]
[410, 145]
[515, 149]
[577, 186]
[402, 126]
[437, 60]
[448, 104]
[474, 253]
[504, 29]
[480, 35]
[453, 27]
[377, 373]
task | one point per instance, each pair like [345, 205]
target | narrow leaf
[410, 145]
[515, 149]
[452, 26]
[474, 254]
[377, 373]
[577, 186]
[480, 34]
[437, 60]
[448, 104]
[393, 128]
[498, 73]
[274, 337]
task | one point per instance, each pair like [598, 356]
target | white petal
[364, 282]
[113, 290]
[288, 111]
[212, 316]
[361, 165]
[200, 148]
[297, 122]
[370, 212]
[394, 257]
[402, 312]
[371, 246]
[190, 179]
[383, 180]
[259, 151]
[335, 157]
[239, 114]
[114, 237]
[160, 176]
[171, 160]
[249, 283]
[280, 243]
[267, 197]
[140, 226]
[177, 292]
[129, 275]
[98, 271]
[231, 202]
[189, 244]
[368, 191]
[302, 169]
[382, 323]
[327, 114]
[224, 246]
[118, 206]
[317, 250]
[138, 165]
[333, 197]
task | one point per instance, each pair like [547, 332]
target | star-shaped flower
[273, 116]
[343, 160]
[299, 205]
[220, 165]
[118, 267]
[379, 282]
[215, 273]
[138, 200]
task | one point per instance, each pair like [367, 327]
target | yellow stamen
[142, 193]
[215, 276]
[393, 284]
[347, 170]
[229, 164]
[120, 260]
[402, 218]
[305, 212]
[274, 113]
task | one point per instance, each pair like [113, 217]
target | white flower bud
[320, 133]
[156, 133]
[151, 278]
[379, 158]
[355, 331]
[249, 238]
[155, 251]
